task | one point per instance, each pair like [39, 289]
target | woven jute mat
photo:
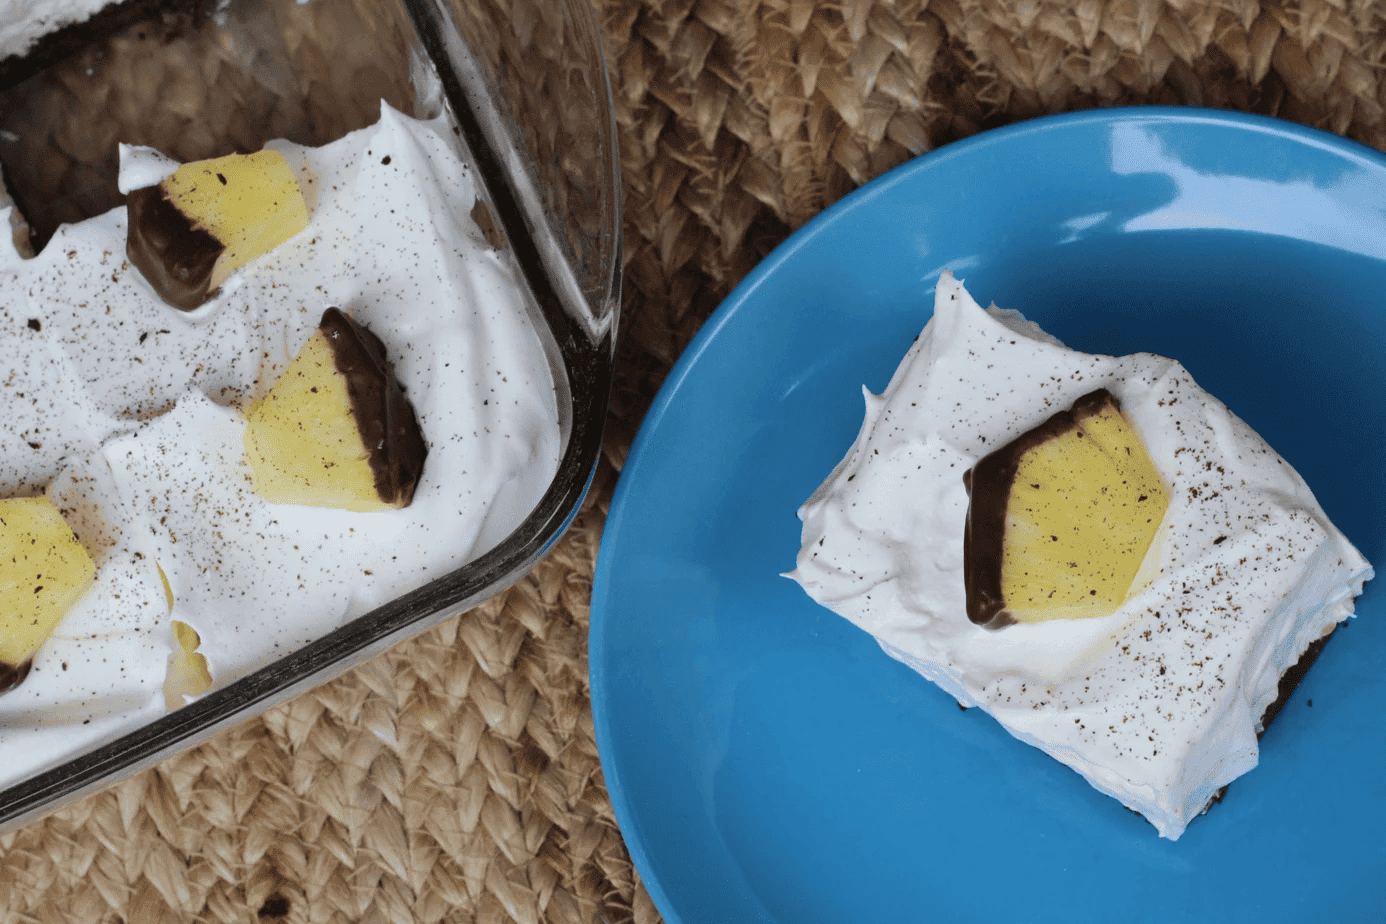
[456, 777]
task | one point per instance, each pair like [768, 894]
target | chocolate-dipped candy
[207, 219]
[336, 430]
[1060, 519]
[43, 572]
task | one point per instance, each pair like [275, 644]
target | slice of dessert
[1191, 619]
[336, 430]
[1060, 519]
[43, 572]
[207, 219]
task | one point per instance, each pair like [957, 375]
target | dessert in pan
[269, 393]
[1092, 549]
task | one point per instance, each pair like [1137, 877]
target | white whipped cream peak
[142, 166]
[1157, 704]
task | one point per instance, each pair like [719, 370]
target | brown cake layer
[1288, 681]
[1291, 678]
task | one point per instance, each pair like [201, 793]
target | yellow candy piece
[250, 203]
[44, 570]
[1082, 504]
[312, 441]
[206, 220]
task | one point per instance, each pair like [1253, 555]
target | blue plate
[766, 760]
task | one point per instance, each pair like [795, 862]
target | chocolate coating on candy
[175, 256]
[988, 486]
[12, 675]
[383, 414]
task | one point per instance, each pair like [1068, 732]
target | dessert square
[1157, 703]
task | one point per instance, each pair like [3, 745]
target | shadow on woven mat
[456, 777]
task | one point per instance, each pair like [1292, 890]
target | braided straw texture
[456, 778]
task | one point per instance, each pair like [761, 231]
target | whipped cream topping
[1158, 704]
[127, 413]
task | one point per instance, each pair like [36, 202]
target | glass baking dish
[526, 85]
